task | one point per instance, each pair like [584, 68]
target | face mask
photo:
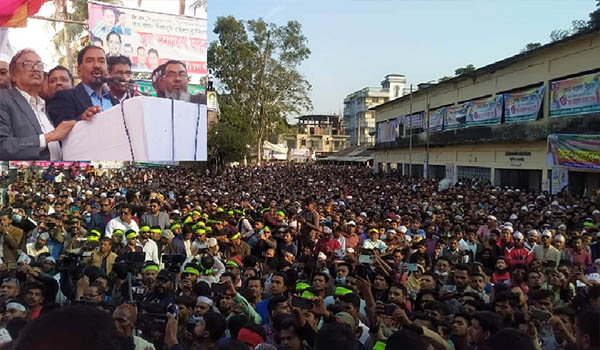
[340, 280]
[440, 273]
[88, 220]
[17, 218]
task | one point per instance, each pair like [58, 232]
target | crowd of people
[293, 257]
[38, 108]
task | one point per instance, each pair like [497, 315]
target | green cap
[379, 345]
[118, 232]
[341, 291]
[302, 286]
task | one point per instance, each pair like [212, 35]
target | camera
[173, 262]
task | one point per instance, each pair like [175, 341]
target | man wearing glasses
[175, 82]
[122, 222]
[101, 219]
[155, 217]
[25, 129]
[119, 72]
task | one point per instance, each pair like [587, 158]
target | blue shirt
[103, 101]
[262, 308]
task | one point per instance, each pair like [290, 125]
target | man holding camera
[10, 238]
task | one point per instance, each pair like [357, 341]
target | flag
[14, 13]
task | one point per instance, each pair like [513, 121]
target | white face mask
[440, 273]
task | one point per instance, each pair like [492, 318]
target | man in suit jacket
[11, 239]
[25, 130]
[89, 97]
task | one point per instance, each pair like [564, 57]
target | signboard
[560, 178]
[20, 164]
[211, 101]
[487, 111]
[148, 38]
[456, 117]
[146, 87]
[436, 119]
[414, 121]
[300, 153]
[523, 106]
[450, 172]
[580, 95]
[574, 151]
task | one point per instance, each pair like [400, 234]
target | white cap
[508, 228]
[103, 195]
[524, 208]
[546, 233]
[596, 212]
[390, 230]
[211, 242]
[559, 238]
[88, 192]
[562, 227]
[518, 235]
[363, 214]
[513, 217]
[327, 229]
[321, 256]
[51, 196]
[351, 223]
[350, 250]
[492, 217]
[407, 238]
[554, 203]
[4, 58]
[533, 232]
[402, 229]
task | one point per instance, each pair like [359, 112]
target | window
[472, 172]
[303, 142]
[375, 99]
[326, 142]
[396, 91]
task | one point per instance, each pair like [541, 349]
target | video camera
[173, 262]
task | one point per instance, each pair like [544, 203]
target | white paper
[151, 130]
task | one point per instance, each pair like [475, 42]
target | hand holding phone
[302, 303]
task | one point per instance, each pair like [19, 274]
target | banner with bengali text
[414, 121]
[523, 106]
[487, 111]
[436, 119]
[579, 95]
[21, 164]
[574, 150]
[456, 117]
[148, 38]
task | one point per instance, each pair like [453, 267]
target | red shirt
[327, 247]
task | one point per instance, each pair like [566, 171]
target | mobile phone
[219, 288]
[172, 309]
[389, 309]
[540, 315]
[366, 259]
[361, 271]
[302, 303]
[412, 267]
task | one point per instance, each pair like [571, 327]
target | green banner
[146, 87]
[575, 151]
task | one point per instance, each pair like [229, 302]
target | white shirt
[151, 250]
[117, 223]
[39, 109]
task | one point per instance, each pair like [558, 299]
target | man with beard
[119, 71]
[125, 317]
[26, 131]
[89, 97]
[175, 80]
[163, 290]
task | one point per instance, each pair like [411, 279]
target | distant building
[496, 123]
[359, 122]
[318, 136]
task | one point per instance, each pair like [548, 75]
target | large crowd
[293, 257]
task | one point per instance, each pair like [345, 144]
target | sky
[355, 43]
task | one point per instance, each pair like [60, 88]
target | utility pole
[410, 133]
[426, 165]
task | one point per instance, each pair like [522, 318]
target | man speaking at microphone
[89, 97]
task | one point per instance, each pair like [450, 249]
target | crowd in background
[293, 257]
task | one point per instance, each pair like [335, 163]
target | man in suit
[89, 97]
[25, 130]
[11, 239]
[175, 82]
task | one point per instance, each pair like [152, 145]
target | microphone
[117, 80]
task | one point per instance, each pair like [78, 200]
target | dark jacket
[70, 104]
[98, 222]
[19, 129]
[179, 245]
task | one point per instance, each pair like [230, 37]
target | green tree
[255, 64]
[466, 69]
[594, 22]
[530, 46]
